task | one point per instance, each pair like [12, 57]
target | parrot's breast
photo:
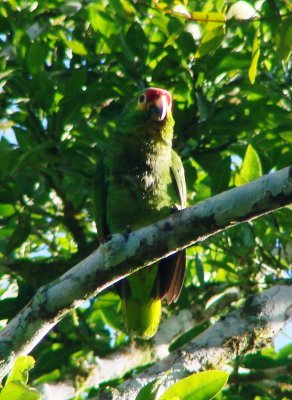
[140, 190]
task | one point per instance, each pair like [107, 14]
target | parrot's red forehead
[154, 93]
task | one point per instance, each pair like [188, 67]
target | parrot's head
[148, 115]
[155, 104]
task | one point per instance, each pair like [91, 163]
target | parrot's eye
[142, 99]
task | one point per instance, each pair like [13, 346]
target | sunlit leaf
[251, 168]
[20, 369]
[77, 47]
[200, 386]
[287, 136]
[6, 210]
[252, 72]
[210, 41]
[210, 20]
[241, 10]
[101, 21]
[124, 8]
[18, 391]
[172, 38]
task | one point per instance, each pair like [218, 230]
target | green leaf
[218, 169]
[5, 73]
[210, 41]
[101, 21]
[251, 168]
[6, 210]
[77, 47]
[20, 233]
[20, 369]
[30, 156]
[188, 336]
[123, 8]
[137, 41]
[287, 136]
[21, 43]
[16, 390]
[284, 38]
[231, 62]
[149, 391]
[173, 37]
[200, 271]
[268, 358]
[200, 386]
[285, 352]
[210, 20]
[166, 67]
[35, 57]
[219, 4]
[252, 72]
[221, 177]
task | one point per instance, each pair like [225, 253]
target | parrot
[140, 180]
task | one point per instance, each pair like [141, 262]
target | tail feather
[171, 273]
[143, 291]
[142, 319]
[140, 308]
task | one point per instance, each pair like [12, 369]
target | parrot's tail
[142, 319]
[141, 303]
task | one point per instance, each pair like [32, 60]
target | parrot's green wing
[172, 269]
[179, 178]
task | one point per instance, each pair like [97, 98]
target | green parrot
[139, 181]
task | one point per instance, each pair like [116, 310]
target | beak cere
[158, 108]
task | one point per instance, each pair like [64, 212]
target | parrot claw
[127, 232]
[174, 209]
[106, 238]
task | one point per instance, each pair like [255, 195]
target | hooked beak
[158, 108]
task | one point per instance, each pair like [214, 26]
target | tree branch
[125, 254]
[252, 326]
[128, 357]
[136, 353]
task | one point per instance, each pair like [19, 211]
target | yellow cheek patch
[141, 106]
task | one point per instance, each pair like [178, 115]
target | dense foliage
[66, 70]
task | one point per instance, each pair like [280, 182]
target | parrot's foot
[127, 232]
[174, 209]
[105, 239]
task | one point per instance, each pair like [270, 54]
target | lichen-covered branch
[252, 326]
[126, 253]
